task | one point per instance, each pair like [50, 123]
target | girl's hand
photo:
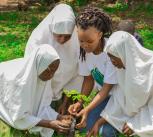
[95, 130]
[65, 118]
[84, 114]
[60, 126]
[127, 130]
[75, 108]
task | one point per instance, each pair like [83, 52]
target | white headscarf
[61, 20]
[24, 98]
[132, 101]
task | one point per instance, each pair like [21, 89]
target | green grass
[16, 27]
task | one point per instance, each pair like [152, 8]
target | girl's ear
[100, 35]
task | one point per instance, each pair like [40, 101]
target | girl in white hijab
[57, 30]
[26, 94]
[130, 109]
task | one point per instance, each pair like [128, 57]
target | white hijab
[61, 20]
[24, 98]
[132, 101]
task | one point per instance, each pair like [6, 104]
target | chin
[88, 51]
[61, 43]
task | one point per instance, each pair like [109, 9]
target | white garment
[24, 98]
[59, 21]
[104, 65]
[132, 101]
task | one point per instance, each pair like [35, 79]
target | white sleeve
[110, 73]
[83, 68]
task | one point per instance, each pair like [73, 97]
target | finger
[62, 112]
[64, 124]
[82, 124]
[126, 130]
[68, 117]
[67, 122]
[79, 114]
[90, 133]
[125, 127]
[130, 132]
[71, 110]
[95, 133]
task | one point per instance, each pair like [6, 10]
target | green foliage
[116, 7]
[81, 2]
[76, 96]
[147, 35]
[146, 8]
[77, 2]
[15, 28]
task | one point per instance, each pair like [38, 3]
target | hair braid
[94, 17]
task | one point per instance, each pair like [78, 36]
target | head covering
[133, 102]
[25, 99]
[46, 55]
[63, 21]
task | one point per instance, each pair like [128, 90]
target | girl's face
[49, 72]
[89, 38]
[117, 62]
[62, 38]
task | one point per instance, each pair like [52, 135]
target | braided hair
[94, 17]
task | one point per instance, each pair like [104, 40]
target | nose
[84, 45]
[62, 40]
[113, 62]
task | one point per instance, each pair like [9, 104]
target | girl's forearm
[88, 85]
[99, 97]
[102, 121]
[44, 123]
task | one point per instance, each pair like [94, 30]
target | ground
[16, 27]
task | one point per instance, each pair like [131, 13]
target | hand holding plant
[83, 114]
[59, 126]
[75, 108]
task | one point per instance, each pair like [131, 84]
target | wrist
[44, 123]
[101, 121]
[59, 116]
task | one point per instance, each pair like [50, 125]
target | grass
[16, 27]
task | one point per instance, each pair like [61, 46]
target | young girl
[130, 108]
[94, 64]
[26, 94]
[57, 30]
